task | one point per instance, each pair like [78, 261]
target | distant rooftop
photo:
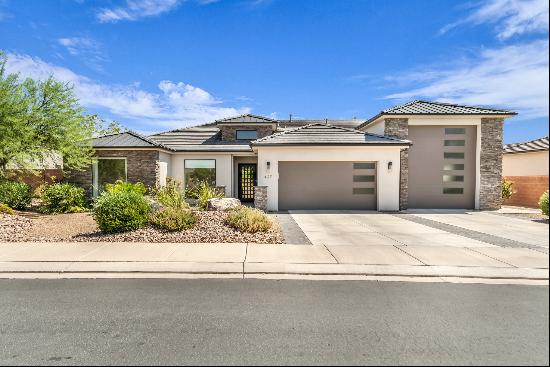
[528, 146]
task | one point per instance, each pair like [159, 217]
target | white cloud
[512, 17]
[513, 77]
[90, 50]
[136, 9]
[175, 105]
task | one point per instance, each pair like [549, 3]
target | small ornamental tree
[41, 117]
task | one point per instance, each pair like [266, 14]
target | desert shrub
[173, 219]
[248, 220]
[121, 186]
[121, 211]
[62, 198]
[171, 195]
[16, 195]
[204, 193]
[543, 203]
[6, 209]
[507, 189]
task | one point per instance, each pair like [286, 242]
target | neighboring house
[526, 165]
[417, 155]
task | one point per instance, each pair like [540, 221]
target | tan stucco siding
[525, 164]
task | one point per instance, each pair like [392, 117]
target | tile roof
[126, 139]
[350, 124]
[247, 118]
[321, 134]
[529, 146]
[202, 139]
[419, 107]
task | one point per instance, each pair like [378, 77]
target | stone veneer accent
[490, 191]
[260, 197]
[399, 128]
[228, 132]
[141, 166]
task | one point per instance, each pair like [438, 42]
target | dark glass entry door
[247, 181]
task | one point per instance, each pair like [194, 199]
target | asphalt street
[201, 322]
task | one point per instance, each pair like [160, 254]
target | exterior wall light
[390, 164]
[268, 164]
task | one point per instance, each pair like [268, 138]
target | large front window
[107, 170]
[200, 170]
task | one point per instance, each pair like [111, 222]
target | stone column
[260, 197]
[490, 190]
[399, 128]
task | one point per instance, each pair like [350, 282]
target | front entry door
[247, 181]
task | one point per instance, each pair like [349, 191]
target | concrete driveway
[439, 238]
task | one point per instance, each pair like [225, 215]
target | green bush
[248, 220]
[173, 219]
[507, 189]
[121, 211]
[204, 193]
[6, 209]
[121, 186]
[171, 195]
[543, 203]
[16, 195]
[62, 198]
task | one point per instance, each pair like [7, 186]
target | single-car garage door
[442, 167]
[327, 185]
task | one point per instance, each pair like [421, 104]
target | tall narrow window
[199, 170]
[107, 170]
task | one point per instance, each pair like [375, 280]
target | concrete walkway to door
[437, 238]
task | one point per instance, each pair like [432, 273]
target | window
[455, 130]
[453, 167]
[360, 178]
[246, 135]
[454, 143]
[452, 178]
[453, 155]
[199, 170]
[363, 190]
[364, 165]
[107, 170]
[453, 190]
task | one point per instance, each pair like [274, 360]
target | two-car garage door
[327, 185]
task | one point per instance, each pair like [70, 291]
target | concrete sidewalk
[433, 263]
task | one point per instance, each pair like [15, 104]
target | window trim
[201, 159]
[241, 130]
[95, 172]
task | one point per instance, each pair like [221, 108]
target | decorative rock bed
[210, 228]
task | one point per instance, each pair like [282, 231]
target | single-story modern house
[417, 155]
[526, 165]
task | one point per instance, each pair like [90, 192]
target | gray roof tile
[201, 139]
[419, 107]
[127, 139]
[321, 134]
[529, 146]
[247, 118]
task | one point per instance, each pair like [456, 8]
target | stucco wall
[388, 181]
[525, 164]
[223, 168]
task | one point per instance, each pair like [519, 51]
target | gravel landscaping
[80, 227]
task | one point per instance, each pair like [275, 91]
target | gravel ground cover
[80, 227]
[528, 216]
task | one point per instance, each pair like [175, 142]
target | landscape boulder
[222, 204]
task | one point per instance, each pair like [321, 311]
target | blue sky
[156, 65]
